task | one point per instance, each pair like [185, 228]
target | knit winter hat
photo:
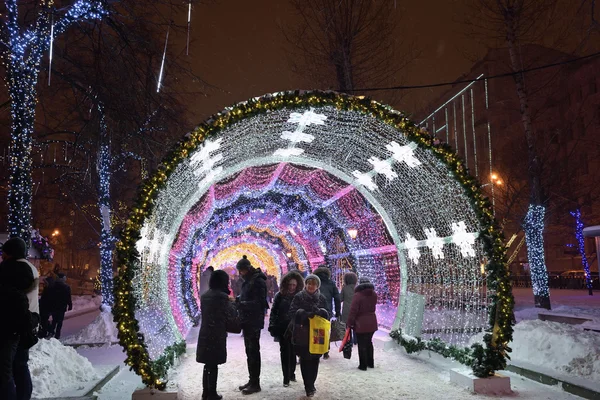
[244, 263]
[15, 247]
[364, 280]
[314, 277]
[219, 280]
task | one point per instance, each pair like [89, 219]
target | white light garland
[408, 186]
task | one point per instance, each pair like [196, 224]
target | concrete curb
[76, 345]
[577, 390]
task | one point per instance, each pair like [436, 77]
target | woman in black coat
[219, 316]
[306, 304]
[291, 283]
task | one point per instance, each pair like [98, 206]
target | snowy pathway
[396, 376]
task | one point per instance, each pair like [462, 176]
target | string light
[162, 63]
[432, 191]
[581, 248]
[534, 229]
[22, 59]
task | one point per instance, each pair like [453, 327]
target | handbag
[338, 330]
[319, 329]
[346, 346]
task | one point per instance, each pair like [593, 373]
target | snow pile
[566, 349]
[86, 302]
[561, 347]
[102, 330]
[56, 368]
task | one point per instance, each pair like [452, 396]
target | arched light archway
[447, 251]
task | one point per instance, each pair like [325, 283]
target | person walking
[252, 303]
[363, 320]
[26, 278]
[347, 294]
[219, 316]
[45, 308]
[60, 303]
[279, 320]
[306, 304]
[331, 293]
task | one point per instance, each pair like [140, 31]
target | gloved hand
[323, 313]
[272, 330]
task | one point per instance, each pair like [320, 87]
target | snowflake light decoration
[435, 243]
[463, 239]
[411, 245]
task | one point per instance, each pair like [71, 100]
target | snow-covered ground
[396, 376]
[102, 330]
[564, 349]
[85, 302]
[55, 368]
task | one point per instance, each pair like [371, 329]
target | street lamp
[352, 232]
[494, 181]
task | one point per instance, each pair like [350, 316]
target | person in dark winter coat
[205, 278]
[219, 316]
[45, 307]
[363, 320]
[59, 300]
[347, 294]
[21, 275]
[291, 283]
[331, 293]
[16, 319]
[252, 303]
[306, 304]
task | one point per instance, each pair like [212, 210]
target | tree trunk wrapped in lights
[24, 48]
[581, 249]
[534, 237]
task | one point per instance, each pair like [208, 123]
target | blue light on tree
[581, 248]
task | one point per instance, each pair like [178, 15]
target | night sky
[238, 47]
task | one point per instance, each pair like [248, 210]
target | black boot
[245, 385]
[362, 358]
[253, 388]
[205, 384]
[370, 360]
[209, 384]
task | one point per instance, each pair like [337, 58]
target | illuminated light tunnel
[291, 173]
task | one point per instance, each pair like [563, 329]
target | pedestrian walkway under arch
[287, 179]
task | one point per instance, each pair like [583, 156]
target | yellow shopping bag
[318, 335]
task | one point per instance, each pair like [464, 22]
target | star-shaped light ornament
[383, 167]
[411, 246]
[435, 243]
[141, 244]
[203, 163]
[463, 239]
[404, 154]
[307, 118]
[365, 179]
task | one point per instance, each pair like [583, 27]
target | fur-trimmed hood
[323, 273]
[287, 278]
[364, 287]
